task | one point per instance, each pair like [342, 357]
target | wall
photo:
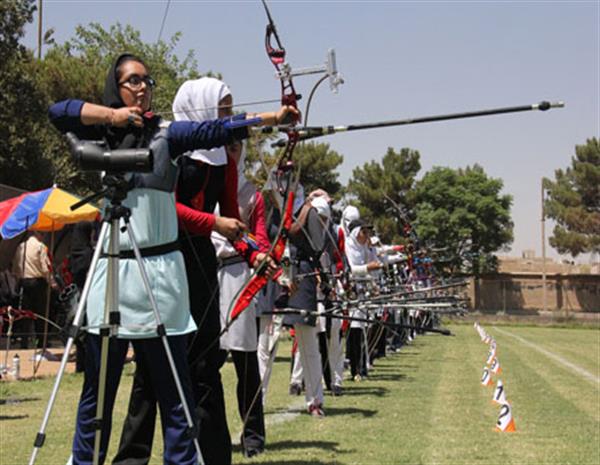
[523, 292]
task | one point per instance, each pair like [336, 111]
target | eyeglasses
[135, 81]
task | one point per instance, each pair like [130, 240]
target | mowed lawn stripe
[410, 408]
[378, 421]
[579, 346]
[463, 417]
[556, 412]
[556, 359]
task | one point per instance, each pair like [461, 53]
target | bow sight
[329, 69]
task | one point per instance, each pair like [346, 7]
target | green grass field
[423, 405]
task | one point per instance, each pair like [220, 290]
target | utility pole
[544, 292]
[39, 29]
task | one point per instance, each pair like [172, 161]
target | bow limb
[259, 280]
[288, 97]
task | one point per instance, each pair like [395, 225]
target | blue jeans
[178, 444]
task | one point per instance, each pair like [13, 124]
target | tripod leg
[108, 329]
[160, 329]
[75, 327]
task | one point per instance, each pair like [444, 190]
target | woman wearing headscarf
[124, 121]
[269, 325]
[363, 263]
[307, 241]
[241, 338]
[330, 339]
[349, 213]
[207, 177]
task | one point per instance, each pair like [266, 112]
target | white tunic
[242, 334]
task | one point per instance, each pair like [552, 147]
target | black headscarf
[130, 136]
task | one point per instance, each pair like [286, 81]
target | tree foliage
[460, 208]
[77, 69]
[573, 202]
[33, 155]
[393, 177]
[23, 122]
[317, 164]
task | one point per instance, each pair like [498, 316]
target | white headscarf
[357, 253]
[349, 214]
[197, 100]
[322, 207]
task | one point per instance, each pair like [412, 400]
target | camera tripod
[116, 191]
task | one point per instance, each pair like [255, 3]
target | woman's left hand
[286, 114]
[271, 267]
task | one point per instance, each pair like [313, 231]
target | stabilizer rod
[310, 132]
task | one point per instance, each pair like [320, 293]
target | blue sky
[403, 59]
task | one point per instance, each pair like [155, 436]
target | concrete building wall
[523, 293]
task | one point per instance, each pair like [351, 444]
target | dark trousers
[34, 299]
[355, 349]
[205, 360]
[179, 448]
[323, 344]
[249, 397]
[376, 336]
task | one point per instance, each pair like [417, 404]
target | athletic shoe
[295, 389]
[252, 449]
[248, 453]
[336, 390]
[316, 410]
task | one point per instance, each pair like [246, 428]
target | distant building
[518, 287]
[529, 263]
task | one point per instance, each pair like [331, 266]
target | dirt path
[48, 367]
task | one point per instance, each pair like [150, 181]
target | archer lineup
[191, 263]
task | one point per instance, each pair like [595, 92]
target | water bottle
[16, 366]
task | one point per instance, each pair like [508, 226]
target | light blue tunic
[153, 222]
[166, 273]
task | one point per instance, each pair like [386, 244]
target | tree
[32, 154]
[77, 69]
[394, 177]
[465, 206]
[23, 120]
[573, 202]
[317, 164]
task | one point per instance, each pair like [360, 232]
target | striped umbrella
[45, 210]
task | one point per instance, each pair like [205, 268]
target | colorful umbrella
[46, 210]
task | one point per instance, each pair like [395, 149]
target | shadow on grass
[17, 400]
[387, 376]
[13, 417]
[387, 367]
[334, 411]
[377, 391]
[298, 444]
[290, 445]
[402, 366]
[297, 462]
